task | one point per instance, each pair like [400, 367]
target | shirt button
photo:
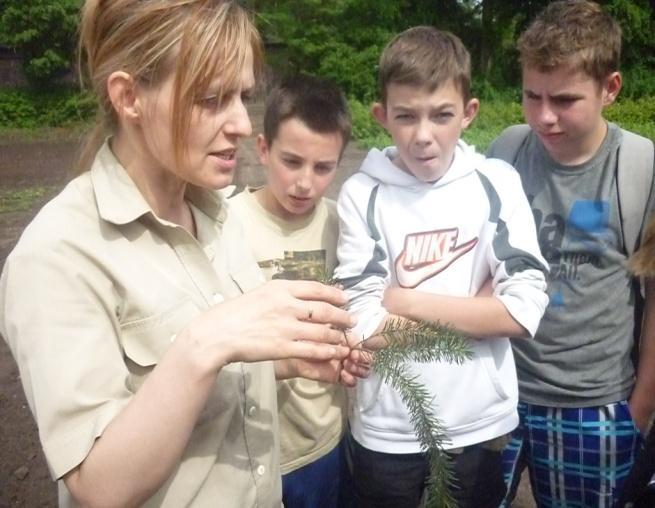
[217, 298]
[252, 410]
[261, 470]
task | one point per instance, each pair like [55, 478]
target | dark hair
[317, 103]
[425, 57]
[575, 33]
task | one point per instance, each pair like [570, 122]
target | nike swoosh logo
[428, 253]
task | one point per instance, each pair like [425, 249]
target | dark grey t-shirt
[580, 355]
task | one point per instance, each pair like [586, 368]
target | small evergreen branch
[428, 428]
[420, 341]
[441, 480]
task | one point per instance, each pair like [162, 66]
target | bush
[43, 31]
[58, 107]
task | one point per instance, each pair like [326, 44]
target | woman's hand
[279, 320]
[352, 365]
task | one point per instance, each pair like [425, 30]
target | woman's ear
[122, 95]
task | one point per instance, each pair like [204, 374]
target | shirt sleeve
[518, 268]
[362, 255]
[57, 319]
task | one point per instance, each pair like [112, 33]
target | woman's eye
[210, 102]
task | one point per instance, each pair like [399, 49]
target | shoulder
[498, 171]
[638, 144]
[508, 142]
[66, 219]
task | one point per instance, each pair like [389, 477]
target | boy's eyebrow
[402, 107]
[285, 153]
[556, 96]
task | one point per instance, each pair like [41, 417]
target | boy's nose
[304, 181]
[423, 134]
[546, 114]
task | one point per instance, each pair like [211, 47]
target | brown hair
[317, 103]
[425, 57]
[642, 262]
[194, 39]
[575, 33]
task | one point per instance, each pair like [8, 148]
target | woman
[123, 303]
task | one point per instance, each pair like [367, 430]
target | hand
[357, 364]
[641, 414]
[279, 320]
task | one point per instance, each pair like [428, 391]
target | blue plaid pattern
[576, 457]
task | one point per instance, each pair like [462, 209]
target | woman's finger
[312, 290]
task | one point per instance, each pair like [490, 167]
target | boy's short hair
[317, 103]
[425, 57]
[575, 33]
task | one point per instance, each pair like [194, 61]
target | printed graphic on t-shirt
[569, 244]
[296, 265]
[428, 253]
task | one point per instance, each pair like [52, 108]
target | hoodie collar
[378, 166]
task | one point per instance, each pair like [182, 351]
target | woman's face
[216, 125]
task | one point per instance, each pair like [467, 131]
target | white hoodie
[448, 238]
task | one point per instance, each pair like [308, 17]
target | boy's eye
[404, 116]
[444, 115]
[292, 163]
[324, 168]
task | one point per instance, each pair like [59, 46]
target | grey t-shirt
[580, 355]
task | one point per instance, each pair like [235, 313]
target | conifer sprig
[423, 342]
[420, 341]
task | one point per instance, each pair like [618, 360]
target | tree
[43, 32]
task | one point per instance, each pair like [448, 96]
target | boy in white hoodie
[423, 226]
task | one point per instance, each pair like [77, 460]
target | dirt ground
[24, 164]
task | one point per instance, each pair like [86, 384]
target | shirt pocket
[248, 278]
[145, 341]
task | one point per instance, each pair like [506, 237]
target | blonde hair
[425, 57]
[194, 39]
[573, 33]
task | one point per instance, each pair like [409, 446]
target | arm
[363, 261]
[142, 445]
[110, 445]
[642, 400]
[478, 316]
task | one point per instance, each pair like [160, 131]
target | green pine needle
[420, 341]
[428, 428]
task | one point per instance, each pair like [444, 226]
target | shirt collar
[121, 202]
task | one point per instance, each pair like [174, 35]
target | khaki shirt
[89, 300]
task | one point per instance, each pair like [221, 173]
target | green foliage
[43, 31]
[634, 115]
[57, 107]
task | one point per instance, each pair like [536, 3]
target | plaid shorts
[576, 457]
